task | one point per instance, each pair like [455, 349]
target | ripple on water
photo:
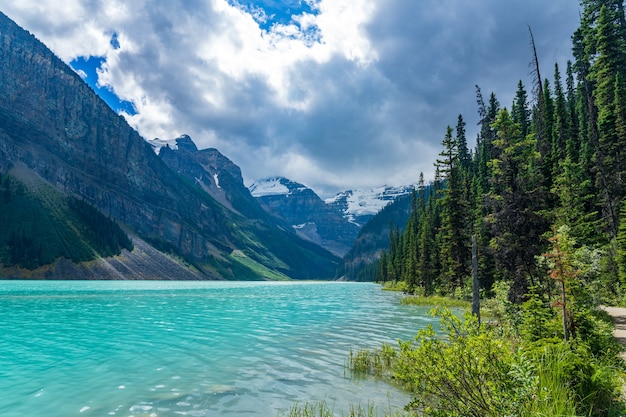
[170, 349]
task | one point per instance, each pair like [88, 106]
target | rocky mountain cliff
[309, 216]
[217, 175]
[54, 125]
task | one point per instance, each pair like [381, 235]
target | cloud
[335, 94]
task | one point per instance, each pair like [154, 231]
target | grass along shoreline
[425, 300]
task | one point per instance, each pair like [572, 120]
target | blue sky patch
[88, 67]
[269, 12]
[115, 43]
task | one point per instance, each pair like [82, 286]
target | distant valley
[333, 223]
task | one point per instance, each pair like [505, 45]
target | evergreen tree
[560, 126]
[516, 203]
[453, 248]
[572, 146]
[575, 193]
[621, 245]
[543, 127]
[382, 275]
[520, 111]
[608, 66]
[465, 158]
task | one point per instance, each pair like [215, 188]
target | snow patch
[272, 186]
[217, 181]
[367, 202]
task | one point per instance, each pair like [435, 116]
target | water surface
[128, 348]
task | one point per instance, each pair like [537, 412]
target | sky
[334, 94]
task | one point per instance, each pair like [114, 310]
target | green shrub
[472, 370]
[466, 373]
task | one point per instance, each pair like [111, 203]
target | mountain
[57, 134]
[213, 172]
[307, 214]
[358, 264]
[359, 206]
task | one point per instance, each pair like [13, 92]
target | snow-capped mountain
[333, 223]
[358, 206]
[276, 186]
[309, 216]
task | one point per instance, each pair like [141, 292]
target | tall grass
[377, 363]
[435, 301]
[321, 409]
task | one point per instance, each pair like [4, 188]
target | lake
[155, 348]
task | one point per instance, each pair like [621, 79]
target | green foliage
[395, 286]
[436, 301]
[38, 225]
[621, 245]
[465, 373]
[522, 364]
[367, 362]
[103, 233]
[472, 370]
[559, 165]
[538, 320]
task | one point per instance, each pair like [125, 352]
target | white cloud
[356, 93]
[82, 74]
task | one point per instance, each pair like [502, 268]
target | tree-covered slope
[360, 263]
[38, 224]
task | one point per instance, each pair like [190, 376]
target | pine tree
[560, 126]
[543, 127]
[606, 70]
[575, 197]
[621, 245]
[520, 111]
[453, 249]
[516, 203]
[572, 146]
[382, 275]
[465, 158]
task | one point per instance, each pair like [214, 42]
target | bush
[472, 370]
[467, 373]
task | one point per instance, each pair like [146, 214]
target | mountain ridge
[56, 125]
[306, 213]
[318, 220]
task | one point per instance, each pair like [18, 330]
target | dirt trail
[619, 319]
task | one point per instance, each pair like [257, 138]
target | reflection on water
[77, 348]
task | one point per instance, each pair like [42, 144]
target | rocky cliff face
[217, 175]
[52, 122]
[309, 216]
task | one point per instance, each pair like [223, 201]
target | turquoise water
[93, 348]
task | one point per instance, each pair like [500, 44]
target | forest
[552, 164]
[541, 201]
[64, 227]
